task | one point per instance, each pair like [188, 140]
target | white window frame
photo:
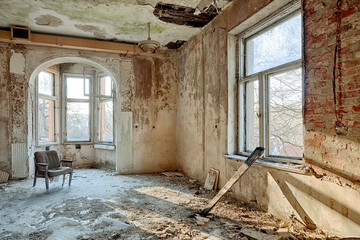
[65, 100]
[98, 100]
[262, 77]
[54, 98]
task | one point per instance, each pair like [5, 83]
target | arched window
[86, 101]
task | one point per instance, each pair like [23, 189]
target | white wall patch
[17, 63]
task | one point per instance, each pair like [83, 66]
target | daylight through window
[46, 108]
[271, 90]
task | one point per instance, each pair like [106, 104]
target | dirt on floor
[135, 207]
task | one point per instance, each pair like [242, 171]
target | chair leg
[70, 177]
[34, 180]
[47, 182]
[63, 180]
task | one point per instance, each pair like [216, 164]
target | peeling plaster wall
[203, 121]
[145, 107]
[5, 162]
[154, 98]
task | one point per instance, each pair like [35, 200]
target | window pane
[106, 121]
[46, 121]
[75, 87]
[252, 115]
[77, 121]
[105, 86]
[276, 46]
[46, 83]
[286, 127]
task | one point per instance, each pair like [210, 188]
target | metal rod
[148, 24]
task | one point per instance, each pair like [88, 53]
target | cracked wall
[145, 116]
[207, 90]
[332, 112]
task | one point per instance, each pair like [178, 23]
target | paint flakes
[48, 20]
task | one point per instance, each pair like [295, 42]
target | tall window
[106, 109]
[46, 102]
[271, 89]
[89, 109]
[77, 105]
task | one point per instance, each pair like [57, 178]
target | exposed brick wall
[332, 86]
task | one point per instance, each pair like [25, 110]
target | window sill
[39, 145]
[289, 167]
[104, 146]
[81, 143]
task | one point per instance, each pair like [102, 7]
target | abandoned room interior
[159, 105]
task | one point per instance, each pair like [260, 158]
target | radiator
[19, 160]
[4, 177]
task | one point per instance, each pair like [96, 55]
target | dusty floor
[103, 205]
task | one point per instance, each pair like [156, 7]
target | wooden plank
[211, 179]
[182, 15]
[309, 223]
[38, 39]
[256, 154]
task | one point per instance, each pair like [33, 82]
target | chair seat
[59, 171]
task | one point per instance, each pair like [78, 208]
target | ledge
[104, 146]
[288, 167]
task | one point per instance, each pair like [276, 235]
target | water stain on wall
[143, 71]
[48, 20]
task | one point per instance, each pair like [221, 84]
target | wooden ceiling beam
[49, 40]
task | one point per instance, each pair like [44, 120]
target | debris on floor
[173, 174]
[134, 207]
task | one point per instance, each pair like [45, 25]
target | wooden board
[211, 179]
[257, 153]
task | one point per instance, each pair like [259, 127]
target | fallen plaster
[181, 15]
[103, 205]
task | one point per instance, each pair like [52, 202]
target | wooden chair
[48, 164]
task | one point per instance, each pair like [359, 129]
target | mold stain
[143, 78]
[99, 33]
[139, 28]
[48, 20]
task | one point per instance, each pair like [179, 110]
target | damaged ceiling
[172, 21]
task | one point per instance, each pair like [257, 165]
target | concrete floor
[103, 205]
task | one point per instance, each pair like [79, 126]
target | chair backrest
[50, 157]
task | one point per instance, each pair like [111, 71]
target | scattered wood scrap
[257, 153]
[211, 181]
[173, 174]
